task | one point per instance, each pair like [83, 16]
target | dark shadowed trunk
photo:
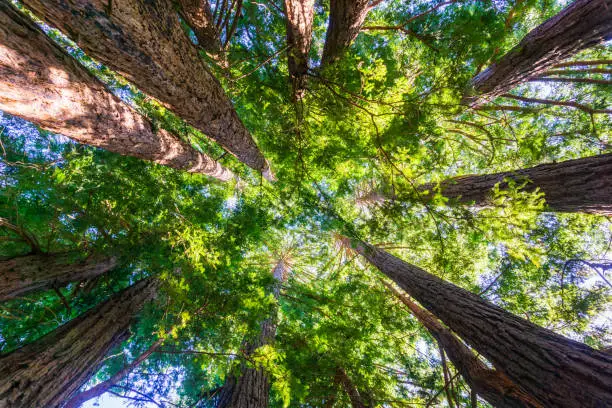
[581, 25]
[79, 399]
[144, 41]
[252, 388]
[554, 370]
[40, 271]
[346, 18]
[198, 15]
[581, 185]
[491, 384]
[350, 389]
[299, 14]
[47, 372]
[41, 83]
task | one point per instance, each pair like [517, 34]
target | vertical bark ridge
[491, 384]
[346, 18]
[198, 14]
[580, 25]
[300, 14]
[144, 42]
[47, 372]
[41, 271]
[43, 84]
[554, 370]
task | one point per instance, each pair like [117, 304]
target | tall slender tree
[47, 372]
[159, 59]
[300, 14]
[41, 83]
[346, 18]
[199, 16]
[580, 25]
[552, 369]
[27, 273]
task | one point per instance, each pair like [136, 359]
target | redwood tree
[145, 42]
[552, 369]
[580, 25]
[47, 372]
[27, 273]
[199, 16]
[299, 37]
[41, 83]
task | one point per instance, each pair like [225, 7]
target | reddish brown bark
[40, 271]
[47, 372]
[299, 14]
[582, 24]
[491, 384]
[41, 83]
[346, 18]
[350, 389]
[555, 371]
[198, 15]
[581, 185]
[252, 388]
[143, 41]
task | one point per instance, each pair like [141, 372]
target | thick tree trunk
[554, 370]
[40, 271]
[143, 41]
[350, 389]
[346, 18]
[41, 83]
[79, 399]
[491, 384]
[252, 388]
[581, 185]
[47, 372]
[581, 25]
[198, 15]
[300, 14]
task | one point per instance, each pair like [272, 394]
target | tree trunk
[345, 20]
[79, 399]
[581, 25]
[491, 384]
[47, 372]
[252, 388]
[143, 41]
[300, 14]
[42, 84]
[40, 271]
[350, 389]
[554, 370]
[581, 185]
[198, 15]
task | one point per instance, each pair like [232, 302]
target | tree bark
[40, 271]
[350, 389]
[300, 14]
[198, 14]
[143, 41]
[252, 388]
[79, 399]
[553, 370]
[41, 83]
[346, 18]
[581, 25]
[581, 185]
[496, 388]
[47, 372]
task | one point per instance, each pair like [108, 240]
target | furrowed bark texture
[345, 20]
[198, 15]
[252, 388]
[79, 399]
[143, 41]
[39, 271]
[44, 85]
[350, 389]
[554, 370]
[581, 185]
[496, 388]
[581, 25]
[47, 372]
[299, 14]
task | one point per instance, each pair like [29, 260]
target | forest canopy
[300, 203]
